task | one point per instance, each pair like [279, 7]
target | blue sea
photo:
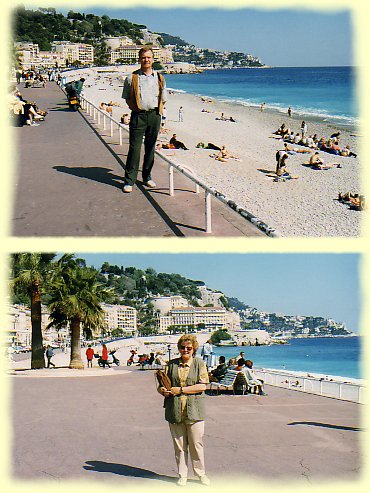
[339, 356]
[327, 93]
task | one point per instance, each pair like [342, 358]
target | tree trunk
[37, 352]
[76, 360]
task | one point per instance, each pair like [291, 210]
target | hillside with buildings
[144, 302]
[47, 39]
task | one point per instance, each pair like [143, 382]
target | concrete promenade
[111, 428]
[69, 182]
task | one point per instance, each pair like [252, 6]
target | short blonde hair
[188, 338]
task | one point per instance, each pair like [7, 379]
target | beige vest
[135, 92]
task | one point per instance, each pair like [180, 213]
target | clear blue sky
[282, 37]
[294, 284]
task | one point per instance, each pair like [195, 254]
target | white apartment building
[130, 52]
[166, 303]
[212, 317]
[20, 327]
[72, 52]
[120, 317]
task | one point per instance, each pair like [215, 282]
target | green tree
[30, 272]
[75, 299]
[220, 335]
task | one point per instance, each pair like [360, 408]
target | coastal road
[69, 178]
[112, 428]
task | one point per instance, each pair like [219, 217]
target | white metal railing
[329, 388]
[93, 111]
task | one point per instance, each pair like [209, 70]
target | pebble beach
[302, 207]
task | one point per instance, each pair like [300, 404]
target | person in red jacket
[104, 356]
[89, 356]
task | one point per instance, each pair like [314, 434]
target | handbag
[163, 379]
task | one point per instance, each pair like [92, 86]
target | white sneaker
[205, 480]
[150, 184]
[127, 188]
[182, 481]
[34, 124]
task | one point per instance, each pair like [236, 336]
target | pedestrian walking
[181, 114]
[49, 354]
[184, 408]
[145, 93]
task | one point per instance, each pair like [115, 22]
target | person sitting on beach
[240, 364]
[310, 142]
[317, 162]
[297, 138]
[177, 143]
[252, 380]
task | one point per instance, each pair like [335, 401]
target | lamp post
[169, 351]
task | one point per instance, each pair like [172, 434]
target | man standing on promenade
[145, 94]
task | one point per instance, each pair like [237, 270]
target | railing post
[208, 211]
[98, 117]
[120, 135]
[94, 114]
[197, 188]
[171, 184]
[104, 127]
[111, 128]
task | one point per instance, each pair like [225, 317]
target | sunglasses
[186, 348]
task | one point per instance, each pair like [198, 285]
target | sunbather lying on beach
[354, 200]
[223, 155]
[293, 150]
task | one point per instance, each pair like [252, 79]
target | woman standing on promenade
[184, 408]
[104, 356]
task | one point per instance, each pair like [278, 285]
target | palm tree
[75, 297]
[30, 273]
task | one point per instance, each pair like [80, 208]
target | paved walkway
[69, 183]
[112, 428]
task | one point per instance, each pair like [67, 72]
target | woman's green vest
[194, 402]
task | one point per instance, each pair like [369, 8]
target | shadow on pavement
[325, 425]
[125, 470]
[101, 175]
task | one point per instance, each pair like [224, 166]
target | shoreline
[303, 207]
[159, 343]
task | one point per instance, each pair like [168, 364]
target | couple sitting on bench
[242, 380]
